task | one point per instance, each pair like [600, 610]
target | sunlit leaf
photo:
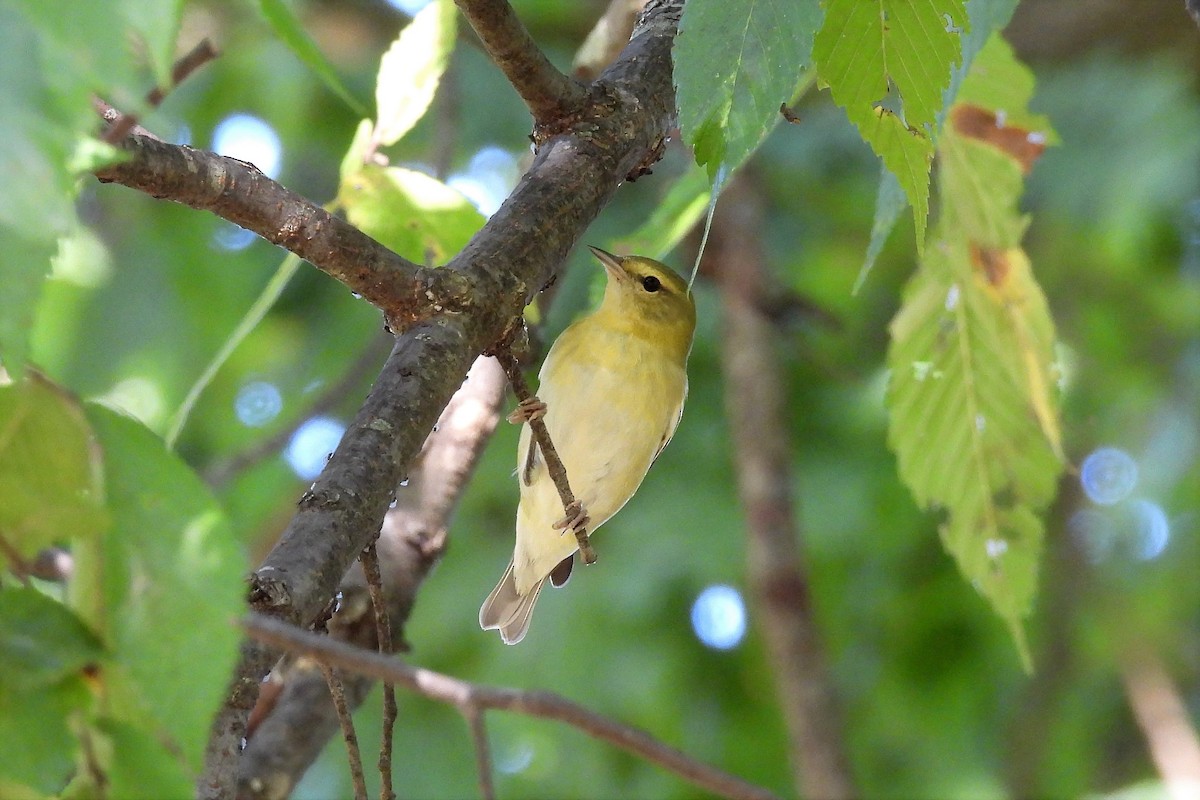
[865, 48]
[292, 33]
[962, 422]
[415, 215]
[735, 65]
[973, 393]
[50, 472]
[411, 70]
[162, 588]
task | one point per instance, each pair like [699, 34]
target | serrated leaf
[1003, 85]
[161, 588]
[735, 65]
[411, 70]
[984, 17]
[863, 49]
[908, 155]
[292, 33]
[416, 216]
[41, 641]
[963, 403]
[50, 471]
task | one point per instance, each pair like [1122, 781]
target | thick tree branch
[777, 572]
[549, 94]
[240, 193]
[465, 695]
[300, 720]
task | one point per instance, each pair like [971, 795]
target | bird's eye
[651, 284]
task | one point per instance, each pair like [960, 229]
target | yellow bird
[612, 392]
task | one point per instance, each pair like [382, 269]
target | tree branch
[240, 193]
[549, 94]
[465, 695]
[777, 572]
[448, 316]
[294, 730]
[1163, 717]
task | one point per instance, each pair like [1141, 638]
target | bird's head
[649, 298]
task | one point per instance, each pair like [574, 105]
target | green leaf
[735, 65]
[409, 212]
[971, 358]
[41, 641]
[411, 70]
[890, 203]
[51, 488]
[865, 48]
[138, 764]
[292, 33]
[673, 217]
[162, 588]
[39, 749]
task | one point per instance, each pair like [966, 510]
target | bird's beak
[612, 264]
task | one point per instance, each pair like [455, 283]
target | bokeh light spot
[1151, 529]
[719, 617]
[1094, 532]
[1108, 475]
[311, 446]
[257, 403]
[248, 138]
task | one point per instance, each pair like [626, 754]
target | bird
[611, 394]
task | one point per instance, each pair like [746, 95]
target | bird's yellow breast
[612, 401]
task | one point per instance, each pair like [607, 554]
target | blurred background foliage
[936, 703]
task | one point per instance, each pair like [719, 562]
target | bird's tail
[509, 612]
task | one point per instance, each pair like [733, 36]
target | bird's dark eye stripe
[651, 284]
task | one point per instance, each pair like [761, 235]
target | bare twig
[383, 634]
[483, 751]
[197, 57]
[1163, 716]
[549, 94]
[459, 693]
[238, 192]
[19, 566]
[343, 711]
[541, 439]
[777, 572]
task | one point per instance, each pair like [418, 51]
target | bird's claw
[527, 410]
[576, 519]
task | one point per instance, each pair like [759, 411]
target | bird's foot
[527, 410]
[575, 520]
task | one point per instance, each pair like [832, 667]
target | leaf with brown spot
[1022, 144]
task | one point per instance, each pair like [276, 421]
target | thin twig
[383, 632]
[460, 693]
[343, 711]
[541, 438]
[19, 566]
[483, 751]
[197, 57]
[549, 94]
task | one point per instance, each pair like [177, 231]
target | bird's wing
[672, 424]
